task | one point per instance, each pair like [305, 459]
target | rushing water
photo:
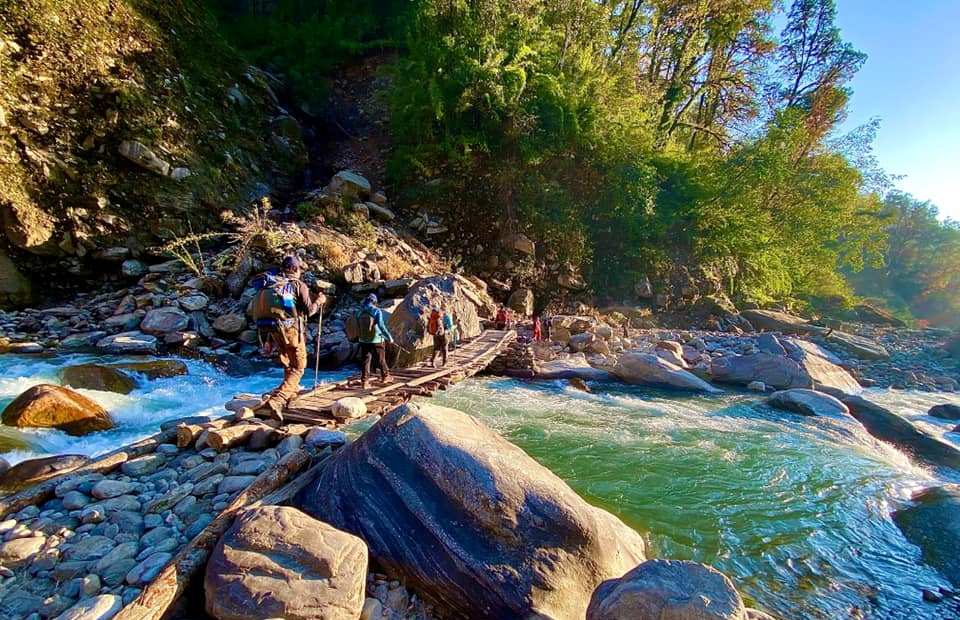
[794, 509]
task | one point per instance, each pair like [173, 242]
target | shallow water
[795, 510]
[139, 414]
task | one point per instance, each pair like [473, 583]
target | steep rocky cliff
[123, 122]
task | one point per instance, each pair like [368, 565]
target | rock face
[469, 520]
[888, 426]
[15, 288]
[52, 406]
[807, 402]
[668, 589]
[773, 321]
[649, 369]
[408, 323]
[98, 377]
[521, 301]
[277, 562]
[933, 524]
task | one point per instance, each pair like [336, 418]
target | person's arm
[383, 326]
[307, 305]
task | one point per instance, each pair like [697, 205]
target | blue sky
[911, 81]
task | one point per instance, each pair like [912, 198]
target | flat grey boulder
[773, 321]
[102, 607]
[277, 562]
[858, 346]
[133, 342]
[468, 520]
[783, 372]
[573, 367]
[807, 402]
[164, 320]
[649, 369]
[933, 524]
[668, 590]
[888, 426]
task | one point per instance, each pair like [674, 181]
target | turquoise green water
[795, 510]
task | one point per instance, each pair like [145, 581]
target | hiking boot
[387, 379]
[364, 385]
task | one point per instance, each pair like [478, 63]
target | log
[188, 433]
[225, 438]
[263, 438]
[162, 592]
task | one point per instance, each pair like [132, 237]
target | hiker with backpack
[450, 327]
[281, 308]
[373, 336]
[436, 329]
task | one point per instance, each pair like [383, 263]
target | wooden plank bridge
[315, 406]
[190, 449]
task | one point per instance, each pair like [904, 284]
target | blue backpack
[275, 299]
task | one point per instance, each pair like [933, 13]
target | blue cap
[290, 263]
[371, 299]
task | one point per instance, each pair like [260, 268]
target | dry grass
[394, 267]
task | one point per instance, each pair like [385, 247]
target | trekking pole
[316, 349]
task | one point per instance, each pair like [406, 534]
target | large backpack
[366, 326]
[275, 299]
[435, 325]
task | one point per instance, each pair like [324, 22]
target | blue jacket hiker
[373, 336]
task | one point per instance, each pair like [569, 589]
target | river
[795, 510]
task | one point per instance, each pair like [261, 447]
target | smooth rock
[276, 561]
[102, 607]
[97, 377]
[647, 369]
[858, 346]
[105, 489]
[945, 412]
[52, 406]
[782, 372]
[232, 484]
[160, 321]
[143, 465]
[773, 321]
[19, 551]
[348, 408]
[145, 571]
[573, 367]
[131, 342]
[932, 523]
[807, 402]
[88, 548]
[154, 369]
[230, 324]
[425, 474]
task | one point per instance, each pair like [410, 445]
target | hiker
[501, 318]
[450, 328]
[537, 329]
[436, 329]
[373, 336]
[281, 308]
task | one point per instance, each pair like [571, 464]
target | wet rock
[945, 412]
[102, 607]
[668, 589]
[578, 384]
[85, 340]
[888, 426]
[160, 321]
[648, 369]
[133, 268]
[807, 402]
[933, 524]
[757, 386]
[573, 367]
[97, 377]
[132, 342]
[52, 406]
[278, 562]
[493, 504]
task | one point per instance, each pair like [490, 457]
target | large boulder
[947, 411]
[521, 301]
[408, 323]
[97, 377]
[160, 321]
[52, 406]
[888, 426]
[573, 367]
[277, 562]
[133, 343]
[858, 346]
[33, 471]
[361, 272]
[668, 590]
[807, 402]
[878, 316]
[154, 369]
[933, 524]
[649, 369]
[15, 288]
[773, 321]
[783, 372]
[349, 183]
[470, 521]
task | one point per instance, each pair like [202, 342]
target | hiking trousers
[369, 350]
[293, 358]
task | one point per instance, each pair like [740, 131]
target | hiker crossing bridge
[471, 357]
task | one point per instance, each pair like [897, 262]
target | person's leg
[366, 354]
[433, 356]
[382, 362]
[443, 348]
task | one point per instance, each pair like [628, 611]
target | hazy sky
[912, 82]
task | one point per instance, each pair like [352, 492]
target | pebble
[143, 465]
[208, 485]
[106, 489]
[129, 594]
[75, 500]
[152, 520]
[155, 536]
[94, 608]
[932, 597]
[115, 574]
[146, 570]
[170, 498]
[54, 605]
[89, 548]
[123, 551]
[167, 449]
[232, 484]
[91, 585]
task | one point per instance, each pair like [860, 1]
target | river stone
[468, 303]
[230, 324]
[20, 604]
[123, 551]
[105, 489]
[945, 412]
[52, 406]
[75, 500]
[276, 561]
[348, 408]
[160, 321]
[573, 367]
[193, 301]
[858, 346]
[768, 343]
[807, 402]
[318, 438]
[19, 551]
[232, 484]
[102, 607]
[145, 571]
[773, 321]
[131, 342]
[169, 499]
[141, 466]
[155, 369]
[888, 426]
[85, 340]
[445, 504]
[97, 377]
[205, 471]
[782, 372]
[668, 590]
[125, 322]
[649, 369]
[32, 471]
[933, 524]
[88, 548]
[155, 536]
